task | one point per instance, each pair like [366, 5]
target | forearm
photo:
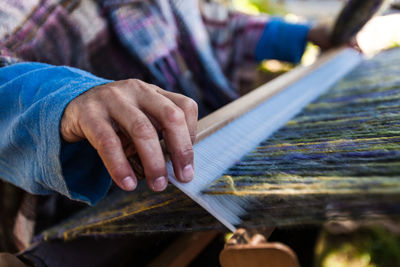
[32, 100]
[42, 103]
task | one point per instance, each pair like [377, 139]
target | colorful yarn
[338, 159]
[139, 212]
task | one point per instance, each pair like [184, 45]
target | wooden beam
[237, 108]
[262, 255]
[250, 248]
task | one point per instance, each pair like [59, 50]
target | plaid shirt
[163, 42]
[186, 46]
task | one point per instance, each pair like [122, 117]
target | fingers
[102, 137]
[175, 124]
[189, 107]
[145, 139]
[115, 115]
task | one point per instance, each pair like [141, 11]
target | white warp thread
[219, 151]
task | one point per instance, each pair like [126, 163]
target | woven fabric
[338, 159]
[140, 212]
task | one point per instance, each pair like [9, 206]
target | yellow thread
[306, 192]
[333, 141]
[230, 181]
[66, 233]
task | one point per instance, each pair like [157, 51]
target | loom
[332, 154]
[320, 143]
[119, 207]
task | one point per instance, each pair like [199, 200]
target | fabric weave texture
[338, 159]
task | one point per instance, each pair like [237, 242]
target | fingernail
[160, 183]
[128, 183]
[188, 173]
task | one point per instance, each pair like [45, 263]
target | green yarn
[338, 159]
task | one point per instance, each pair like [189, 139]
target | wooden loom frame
[245, 248]
[254, 251]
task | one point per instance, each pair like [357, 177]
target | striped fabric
[338, 159]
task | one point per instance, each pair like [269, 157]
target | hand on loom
[119, 115]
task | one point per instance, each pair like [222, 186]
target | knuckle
[88, 118]
[190, 106]
[156, 169]
[142, 129]
[136, 83]
[107, 142]
[112, 92]
[90, 109]
[185, 153]
[174, 115]
[109, 92]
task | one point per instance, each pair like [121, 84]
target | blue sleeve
[283, 41]
[33, 97]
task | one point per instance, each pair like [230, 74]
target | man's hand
[117, 114]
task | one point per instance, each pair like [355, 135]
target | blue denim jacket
[32, 99]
